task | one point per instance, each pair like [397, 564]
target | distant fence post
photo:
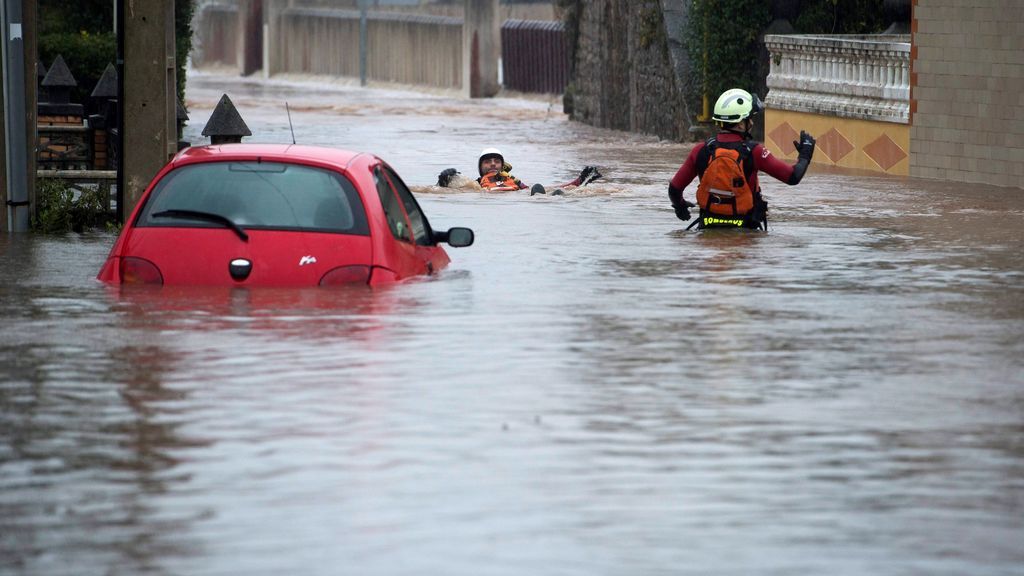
[362, 41]
[480, 48]
[250, 37]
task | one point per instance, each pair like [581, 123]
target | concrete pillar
[250, 36]
[481, 48]
[150, 97]
[272, 26]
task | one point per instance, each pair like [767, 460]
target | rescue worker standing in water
[727, 164]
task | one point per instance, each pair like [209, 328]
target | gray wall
[967, 91]
[625, 75]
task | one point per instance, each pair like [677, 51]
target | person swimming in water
[496, 176]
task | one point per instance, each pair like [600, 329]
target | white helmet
[735, 106]
[488, 153]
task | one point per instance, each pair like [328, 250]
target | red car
[276, 215]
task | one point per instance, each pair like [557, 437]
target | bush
[82, 32]
[183, 10]
[841, 17]
[53, 207]
[722, 42]
[86, 54]
[59, 211]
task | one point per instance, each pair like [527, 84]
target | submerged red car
[277, 215]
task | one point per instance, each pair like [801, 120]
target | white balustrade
[851, 76]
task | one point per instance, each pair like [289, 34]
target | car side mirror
[456, 237]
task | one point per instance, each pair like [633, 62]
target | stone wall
[624, 75]
[967, 91]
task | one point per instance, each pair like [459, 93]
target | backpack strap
[745, 148]
[746, 151]
[748, 157]
[705, 155]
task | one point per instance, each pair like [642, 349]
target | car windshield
[257, 195]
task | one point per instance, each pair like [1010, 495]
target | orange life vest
[498, 179]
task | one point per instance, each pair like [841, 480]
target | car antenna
[288, 110]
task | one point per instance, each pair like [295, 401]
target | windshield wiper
[207, 216]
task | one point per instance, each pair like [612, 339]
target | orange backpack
[724, 189]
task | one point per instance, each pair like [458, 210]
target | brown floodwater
[589, 389]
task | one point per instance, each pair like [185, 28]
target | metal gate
[534, 56]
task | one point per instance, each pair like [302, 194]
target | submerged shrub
[60, 208]
[54, 200]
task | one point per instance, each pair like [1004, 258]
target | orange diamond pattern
[834, 145]
[783, 135]
[885, 152]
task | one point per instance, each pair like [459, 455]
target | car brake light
[346, 275]
[139, 271]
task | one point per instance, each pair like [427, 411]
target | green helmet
[736, 105]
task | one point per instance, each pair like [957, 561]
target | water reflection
[90, 445]
[589, 389]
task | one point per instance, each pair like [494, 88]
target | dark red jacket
[763, 162]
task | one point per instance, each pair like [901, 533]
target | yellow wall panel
[851, 143]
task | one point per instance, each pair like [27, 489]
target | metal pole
[14, 109]
[362, 42]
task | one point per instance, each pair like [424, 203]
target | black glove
[805, 147]
[682, 212]
[588, 175]
[445, 177]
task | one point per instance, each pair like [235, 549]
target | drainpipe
[13, 49]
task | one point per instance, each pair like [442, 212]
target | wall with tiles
[967, 91]
[847, 142]
[850, 92]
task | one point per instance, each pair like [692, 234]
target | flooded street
[587, 390]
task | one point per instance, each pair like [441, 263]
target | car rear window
[258, 195]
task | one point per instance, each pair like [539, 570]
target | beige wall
[848, 142]
[967, 91]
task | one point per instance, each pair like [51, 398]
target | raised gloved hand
[805, 147]
[588, 175]
[682, 212]
[446, 176]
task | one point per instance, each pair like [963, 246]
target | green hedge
[86, 54]
[722, 41]
[841, 17]
[183, 10]
[59, 209]
[84, 36]
[722, 37]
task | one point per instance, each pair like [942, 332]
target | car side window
[420, 227]
[392, 208]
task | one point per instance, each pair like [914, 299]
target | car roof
[269, 152]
